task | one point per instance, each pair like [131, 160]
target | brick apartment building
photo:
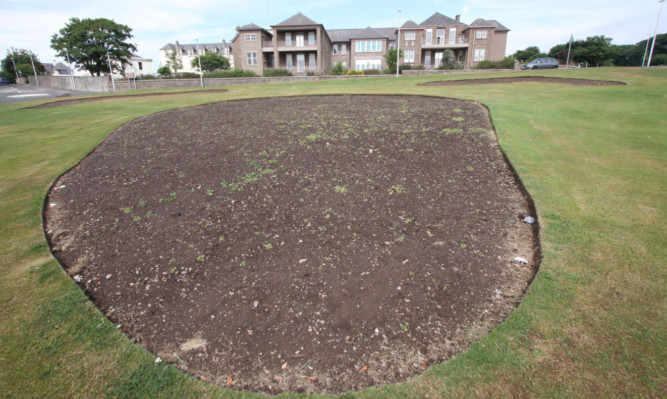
[303, 46]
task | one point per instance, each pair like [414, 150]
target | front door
[300, 61]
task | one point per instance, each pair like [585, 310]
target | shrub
[234, 73]
[164, 71]
[146, 77]
[276, 72]
[486, 64]
[372, 72]
[354, 72]
[186, 75]
[449, 61]
[338, 69]
[506, 63]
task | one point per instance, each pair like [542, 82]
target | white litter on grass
[158, 360]
[520, 260]
[529, 219]
[77, 278]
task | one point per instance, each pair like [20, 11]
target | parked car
[541, 63]
[4, 82]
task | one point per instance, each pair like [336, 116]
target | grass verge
[592, 324]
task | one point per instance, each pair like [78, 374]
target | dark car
[4, 82]
[541, 63]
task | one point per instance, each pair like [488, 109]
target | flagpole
[567, 63]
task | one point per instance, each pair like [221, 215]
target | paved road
[14, 93]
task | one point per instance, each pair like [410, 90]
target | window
[440, 36]
[362, 65]
[250, 37]
[480, 34]
[409, 56]
[368, 46]
[427, 59]
[409, 35]
[452, 35]
[343, 49]
[299, 40]
[335, 49]
[141, 66]
[289, 62]
[392, 45]
[288, 39]
[437, 59]
[311, 38]
[344, 64]
[251, 58]
[479, 54]
[429, 36]
[202, 51]
[190, 51]
[311, 61]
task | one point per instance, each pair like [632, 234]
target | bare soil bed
[539, 79]
[59, 103]
[310, 244]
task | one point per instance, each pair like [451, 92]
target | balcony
[296, 46]
[461, 42]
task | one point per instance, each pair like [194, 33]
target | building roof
[297, 20]
[483, 23]
[410, 24]
[438, 19]
[250, 26]
[207, 46]
[346, 35]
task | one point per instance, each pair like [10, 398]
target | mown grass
[591, 325]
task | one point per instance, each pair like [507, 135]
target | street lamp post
[201, 74]
[34, 70]
[646, 50]
[113, 82]
[398, 42]
[15, 70]
[655, 33]
[71, 75]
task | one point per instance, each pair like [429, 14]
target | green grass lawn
[591, 325]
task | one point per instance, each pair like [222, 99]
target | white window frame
[480, 53]
[288, 38]
[299, 40]
[440, 39]
[343, 49]
[312, 61]
[250, 37]
[344, 63]
[311, 38]
[409, 35]
[335, 49]
[362, 65]
[251, 58]
[408, 56]
[429, 36]
[289, 61]
[437, 58]
[368, 46]
[452, 35]
[190, 51]
[480, 34]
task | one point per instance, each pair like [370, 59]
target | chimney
[458, 18]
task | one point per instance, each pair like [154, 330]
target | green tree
[90, 40]
[391, 59]
[21, 57]
[338, 69]
[211, 62]
[173, 61]
[449, 61]
[164, 71]
[594, 50]
[528, 54]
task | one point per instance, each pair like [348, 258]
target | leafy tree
[164, 70]
[391, 59]
[173, 61]
[22, 60]
[90, 40]
[595, 50]
[211, 62]
[449, 61]
[338, 69]
[528, 54]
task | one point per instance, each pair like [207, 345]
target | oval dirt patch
[540, 79]
[315, 244]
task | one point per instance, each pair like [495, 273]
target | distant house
[60, 69]
[138, 66]
[185, 53]
[301, 45]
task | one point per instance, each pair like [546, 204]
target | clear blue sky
[31, 23]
